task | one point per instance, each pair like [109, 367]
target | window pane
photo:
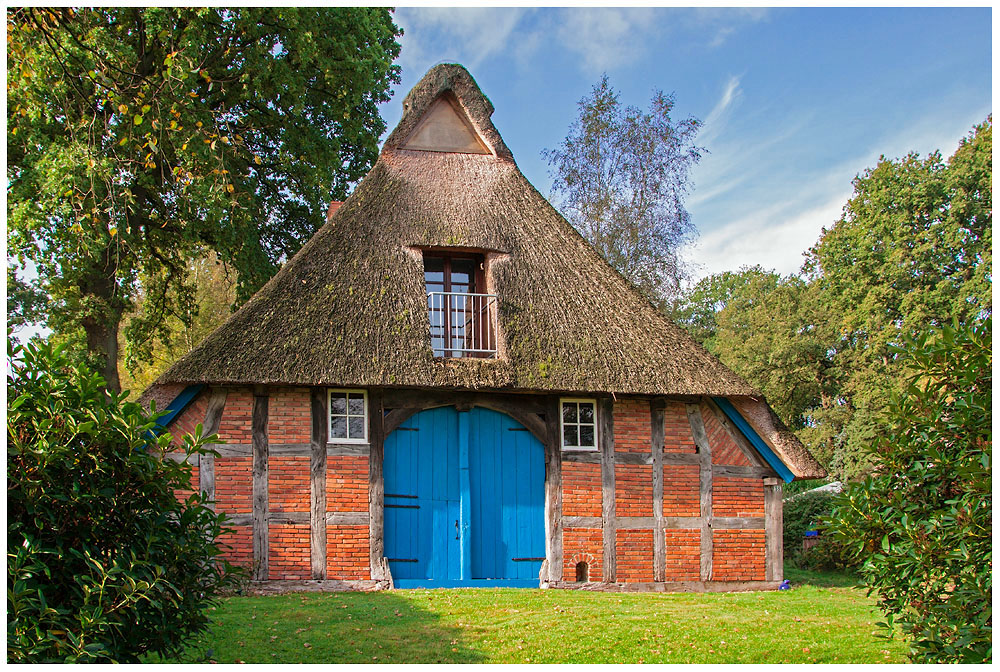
[587, 413]
[357, 426]
[587, 435]
[569, 412]
[338, 429]
[356, 404]
[569, 436]
[338, 404]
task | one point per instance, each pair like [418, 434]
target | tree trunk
[102, 344]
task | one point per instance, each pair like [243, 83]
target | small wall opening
[582, 572]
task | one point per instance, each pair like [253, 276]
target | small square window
[579, 424]
[348, 416]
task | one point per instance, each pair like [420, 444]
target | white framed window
[578, 424]
[348, 416]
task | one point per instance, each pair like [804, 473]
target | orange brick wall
[238, 545]
[633, 490]
[288, 552]
[683, 555]
[681, 490]
[742, 497]
[583, 545]
[738, 555]
[724, 449]
[632, 428]
[634, 551]
[234, 484]
[581, 485]
[288, 483]
[677, 430]
[235, 424]
[289, 416]
[347, 552]
[347, 483]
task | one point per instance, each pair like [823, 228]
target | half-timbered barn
[447, 386]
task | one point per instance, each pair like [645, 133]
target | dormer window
[462, 316]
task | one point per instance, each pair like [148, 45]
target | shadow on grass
[380, 627]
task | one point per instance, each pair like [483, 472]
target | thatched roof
[350, 308]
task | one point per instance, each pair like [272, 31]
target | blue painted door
[464, 497]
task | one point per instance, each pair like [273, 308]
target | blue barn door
[464, 500]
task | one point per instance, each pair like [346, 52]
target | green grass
[822, 620]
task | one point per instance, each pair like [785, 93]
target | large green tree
[912, 250]
[138, 137]
[621, 176]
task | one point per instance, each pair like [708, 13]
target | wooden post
[705, 486]
[317, 482]
[774, 556]
[376, 488]
[260, 455]
[656, 419]
[606, 440]
[206, 462]
[553, 493]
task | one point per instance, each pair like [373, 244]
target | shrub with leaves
[923, 522]
[104, 563]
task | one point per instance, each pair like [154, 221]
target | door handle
[456, 530]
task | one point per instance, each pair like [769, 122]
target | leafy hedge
[104, 564]
[923, 523]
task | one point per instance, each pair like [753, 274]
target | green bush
[807, 511]
[923, 522]
[104, 564]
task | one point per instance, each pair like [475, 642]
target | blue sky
[795, 102]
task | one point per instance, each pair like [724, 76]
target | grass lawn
[822, 620]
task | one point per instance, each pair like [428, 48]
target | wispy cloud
[605, 38]
[715, 121]
[469, 35]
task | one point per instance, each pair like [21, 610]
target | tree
[922, 522]
[912, 250]
[620, 177]
[138, 135]
[104, 562]
[215, 295]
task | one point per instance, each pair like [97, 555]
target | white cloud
[716, 119]
[468, 35]
[605, 38]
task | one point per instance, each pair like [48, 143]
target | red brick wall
[288, 483]
[581, 485]
[632, 428]
[738, 555]
[634, 555]
[234, 484]
[743, 497]
[289, 416]
[235, 424]
[683, 555]
[583, 545]
[347, 552]
[677, 430]
[633, 490]
[288, 552]
[681, 490]
[724, 450]
[237, 545]
[347, 483]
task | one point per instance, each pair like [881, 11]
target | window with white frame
[579, 424]
[348, 416]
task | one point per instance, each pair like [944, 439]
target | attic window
[462, 318]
